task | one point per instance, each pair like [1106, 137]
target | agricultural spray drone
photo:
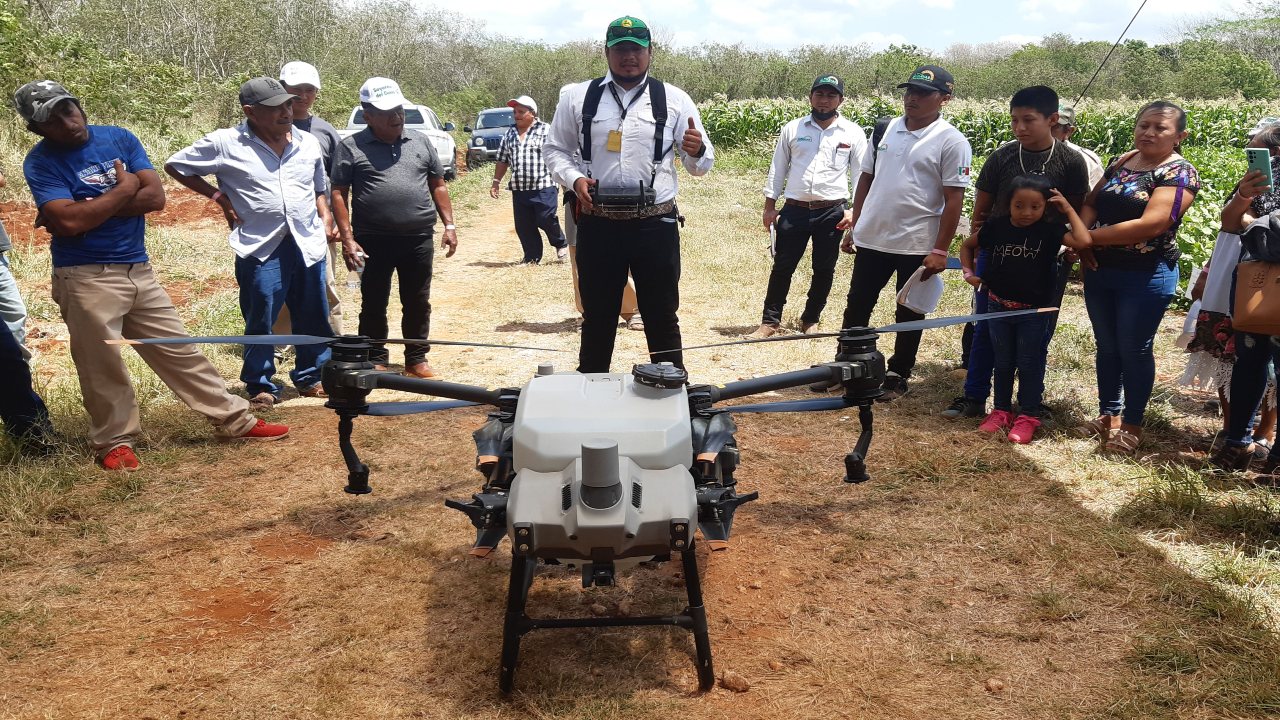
[603, 471]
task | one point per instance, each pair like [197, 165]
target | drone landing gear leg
[855, 463]
[697, 613]
[516, 623]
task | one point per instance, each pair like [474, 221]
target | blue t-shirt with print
[81, 174]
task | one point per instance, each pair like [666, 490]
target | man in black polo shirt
[392, 177]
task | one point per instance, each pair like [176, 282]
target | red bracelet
[943, 253]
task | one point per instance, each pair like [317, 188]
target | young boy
[1033, 112]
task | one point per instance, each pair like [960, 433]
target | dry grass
[968, 579]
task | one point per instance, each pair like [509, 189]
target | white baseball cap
[382, 93]
[300, 73]
[526, 101]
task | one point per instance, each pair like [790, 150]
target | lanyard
[625, 108]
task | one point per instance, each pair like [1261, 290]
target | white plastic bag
[920, 295]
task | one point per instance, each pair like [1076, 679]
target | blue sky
[934, 24]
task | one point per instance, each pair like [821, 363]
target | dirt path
[965, 581]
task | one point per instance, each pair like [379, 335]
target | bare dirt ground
[968, 579]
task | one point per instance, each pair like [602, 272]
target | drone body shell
[601, 469]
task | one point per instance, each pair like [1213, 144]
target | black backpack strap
[590, 104]
[658, 99]
[877, 134]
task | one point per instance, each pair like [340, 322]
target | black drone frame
[859, 368]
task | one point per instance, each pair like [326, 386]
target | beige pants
[107, 302]
[284, 321]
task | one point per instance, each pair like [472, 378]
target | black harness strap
[658, 99]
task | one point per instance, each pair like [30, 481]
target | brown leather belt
[665, 208]
[816, 204]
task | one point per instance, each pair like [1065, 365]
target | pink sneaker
[997, 421]
[1024, 427]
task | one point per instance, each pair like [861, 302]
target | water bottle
[353, 276]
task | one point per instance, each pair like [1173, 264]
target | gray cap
[1066, 116]
[37, 99]
[264, 91]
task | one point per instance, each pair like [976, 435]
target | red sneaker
[998, 420]
[121, 458]
[264, 430]
[1024, 428]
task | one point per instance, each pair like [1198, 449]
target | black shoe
[965, 407]
[895, 386]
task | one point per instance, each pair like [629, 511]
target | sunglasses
[638, 33]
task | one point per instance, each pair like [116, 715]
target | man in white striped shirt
[534, 194]
[817, 160]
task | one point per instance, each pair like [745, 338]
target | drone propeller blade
[816, 404]
[230, 340]
[775, 338]
[719, 431]
[462, 343]
[930, 323]
[392, 409]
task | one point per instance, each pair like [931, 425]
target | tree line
[163, 63]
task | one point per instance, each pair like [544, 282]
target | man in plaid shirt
[533, 192]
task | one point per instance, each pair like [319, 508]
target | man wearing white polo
[906, 210]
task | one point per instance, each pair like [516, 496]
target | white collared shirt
[814, 163]
[1091, 160]
[903, 210]
[273, 195]
[634, 164]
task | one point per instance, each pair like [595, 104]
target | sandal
[1231, 458]
[1096, 428]
[1123, 442]
[635, 322]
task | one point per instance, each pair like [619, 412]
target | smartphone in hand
[1260, 160]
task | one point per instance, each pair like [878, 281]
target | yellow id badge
[614, 142]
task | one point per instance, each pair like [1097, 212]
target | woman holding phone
[1134, 213]
[1253, 351]
[1214, 336]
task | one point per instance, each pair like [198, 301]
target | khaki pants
[284, 321]
[107, 302]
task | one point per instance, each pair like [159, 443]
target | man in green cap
[614, 141]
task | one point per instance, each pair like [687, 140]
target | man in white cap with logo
[388, 191]
[813, 162]
[273, 192]
[533, 193]
[303, 81]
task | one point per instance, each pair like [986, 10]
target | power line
[1108, 57]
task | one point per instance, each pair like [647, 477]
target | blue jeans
[1017, 345]
[1248, 383]
[265, 287]
[13, 312]
[1125, 308]
[21, 409]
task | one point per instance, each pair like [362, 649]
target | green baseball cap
[627, 29]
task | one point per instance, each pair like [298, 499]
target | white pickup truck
[424, 120]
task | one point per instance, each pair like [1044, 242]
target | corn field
[1106, 126]
[1217, 133]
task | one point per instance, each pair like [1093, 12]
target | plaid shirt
[528, 171]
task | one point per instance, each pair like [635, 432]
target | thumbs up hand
[692, 144]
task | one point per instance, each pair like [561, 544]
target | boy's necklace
[1044, 164]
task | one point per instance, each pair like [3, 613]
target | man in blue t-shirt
[92, 185]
